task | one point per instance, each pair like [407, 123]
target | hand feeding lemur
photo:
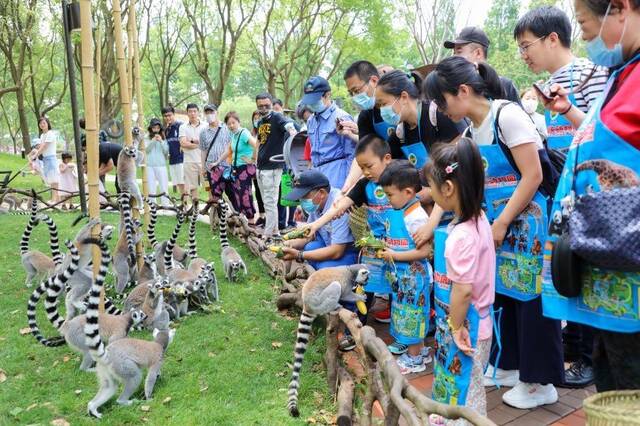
[73, 272]
[124, 359]
[126, 172]
[232, 263]
[322, 293]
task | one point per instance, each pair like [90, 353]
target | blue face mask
[364, 101]
[318, 107]
[308, 205]
[598, 51]
[389, 115]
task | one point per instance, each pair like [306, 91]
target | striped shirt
[589, 80]
[220, 148]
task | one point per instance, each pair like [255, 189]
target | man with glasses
[273, 129]
[544, 39]
[176, 158]
[473, 44]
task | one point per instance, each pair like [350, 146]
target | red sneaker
[383, 316]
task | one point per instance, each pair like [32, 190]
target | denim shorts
[51, 172]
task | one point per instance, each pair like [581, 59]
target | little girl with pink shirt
[465, 265]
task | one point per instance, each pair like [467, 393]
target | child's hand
[463, 341]
[423, 235]
[387, 254]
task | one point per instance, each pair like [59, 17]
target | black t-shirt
[366, 118]
[109, 150]
[358, 193]
[271, 137]
[509, 90]
[445, 130]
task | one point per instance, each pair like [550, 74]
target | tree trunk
[24, 124]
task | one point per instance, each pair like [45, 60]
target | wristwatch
[300, 257]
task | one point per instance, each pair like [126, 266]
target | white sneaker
[508, 378]
[530, 395]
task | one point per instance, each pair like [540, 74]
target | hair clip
[451, 167]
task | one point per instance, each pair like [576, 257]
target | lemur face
[362, 276]
[131, 151]
[138, 316]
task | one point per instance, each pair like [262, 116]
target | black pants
[531, 342]
[616, 360]
[578, 342]
[282, 213]
[258, 196]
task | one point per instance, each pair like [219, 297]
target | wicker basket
[614, 408]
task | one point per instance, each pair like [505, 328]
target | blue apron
[452, 368]
[519, 260]
[378, 208]
[559, 129]
[609, 299]
[382, 128]
[411, 287]
[416, 153]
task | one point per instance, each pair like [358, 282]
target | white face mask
[211, 117]
[530, 105]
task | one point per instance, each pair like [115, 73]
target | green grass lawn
[228, 367]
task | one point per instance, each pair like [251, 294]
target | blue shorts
[50, 169]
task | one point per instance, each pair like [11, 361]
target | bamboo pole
[98, 73]
[125, 100]
[90, 127]
[140, 104]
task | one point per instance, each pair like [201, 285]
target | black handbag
[566, 268]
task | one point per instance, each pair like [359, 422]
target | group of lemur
[171, 283]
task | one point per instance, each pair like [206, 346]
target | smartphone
[339, 123]
[542, 93]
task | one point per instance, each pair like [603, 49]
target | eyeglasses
[358, 90]
[523, 49]
[264, 106]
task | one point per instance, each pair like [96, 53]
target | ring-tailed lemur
[322, 293]
[153, 219]
[231, 260]
[168, 249]
[126, 172]
[124, 359]
[54, 243]
[35, 263]
[124, 199]
[57, 280]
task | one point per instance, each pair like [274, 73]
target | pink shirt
[471, 259]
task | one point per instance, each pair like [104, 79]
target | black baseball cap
[307, 182]
[154, 122]
[210, 107]
[314, 88]
[469, 35]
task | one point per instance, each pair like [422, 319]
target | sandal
[397, 348]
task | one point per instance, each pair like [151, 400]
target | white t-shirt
[192, 133]
[415, 218]
[516, 127]
[50, 138]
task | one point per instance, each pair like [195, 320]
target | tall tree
[216, 33]
[17, 22]
[430, 23]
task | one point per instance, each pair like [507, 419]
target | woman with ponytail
[514, 159]
[418, 125]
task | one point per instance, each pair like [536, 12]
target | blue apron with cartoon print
[452, 368]
[519, 260]
[560, 130]
[411, 283]
[378, 208]
[610, 300]
[416, 153]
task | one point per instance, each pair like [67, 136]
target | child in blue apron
[604, 156]
[407, 265]
[373, 156]
[465, 272]
[516, 166]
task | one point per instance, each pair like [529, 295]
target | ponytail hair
[395, 82]
[462, 164]
[454, 71]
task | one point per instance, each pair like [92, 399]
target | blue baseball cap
[314, 88]
[306, 182]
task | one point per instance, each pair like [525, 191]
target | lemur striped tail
[193, 246]
[54, 243]
[124, 199]
[54, 282]
[153, 218]
[224, 241]
[33, 221]
[91, 331]
[168, 250]
[304, 330]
